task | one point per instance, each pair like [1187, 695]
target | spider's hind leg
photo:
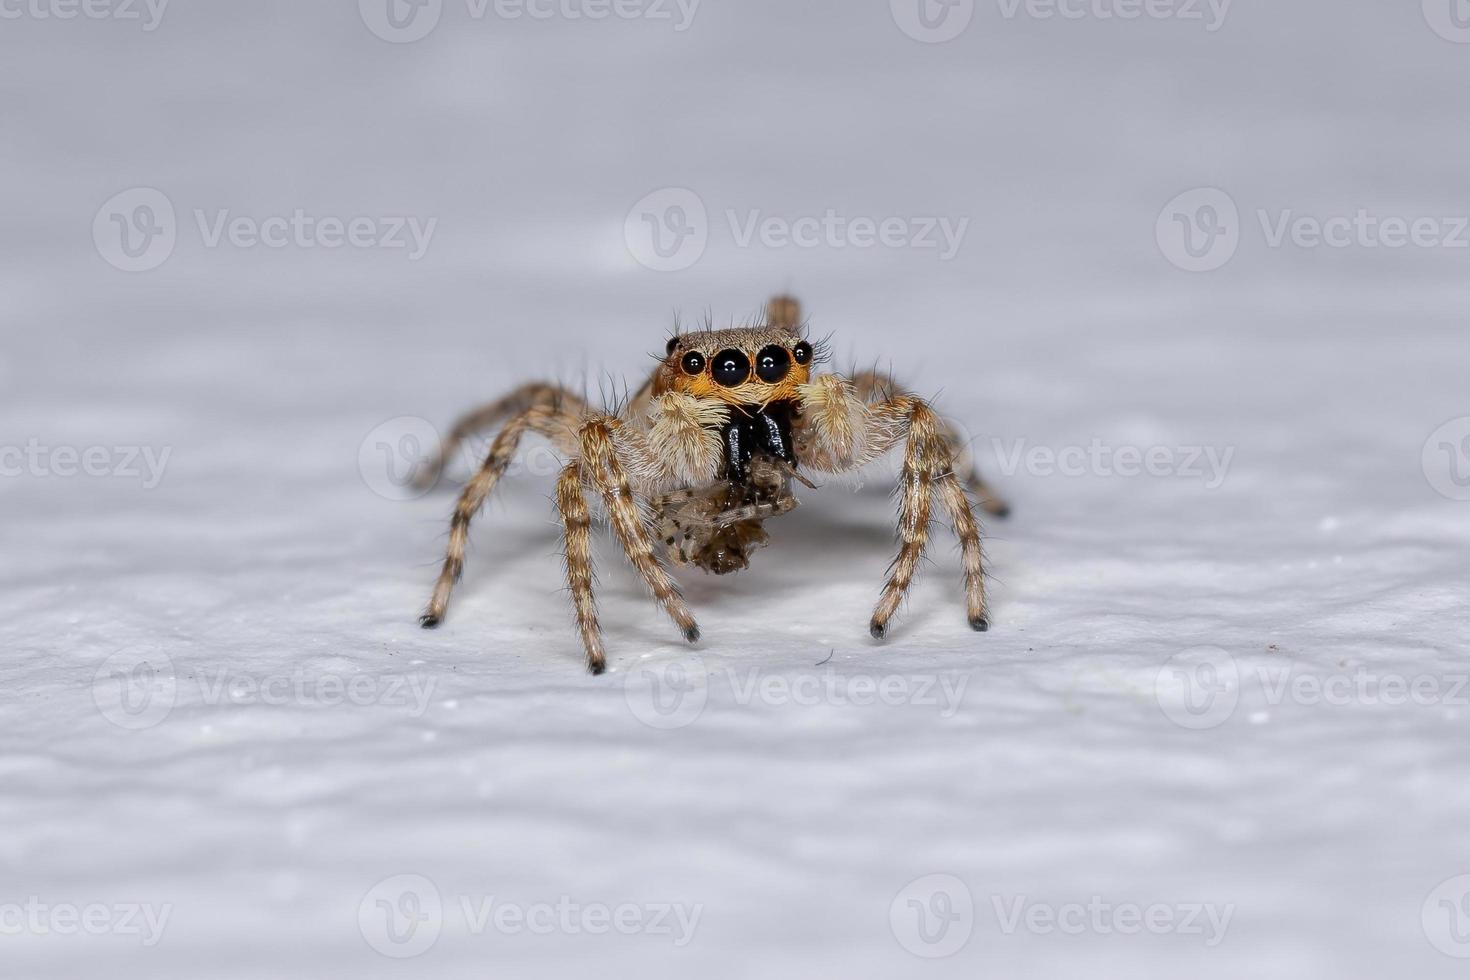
[554, 423]
[553, 398]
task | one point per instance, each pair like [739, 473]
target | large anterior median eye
[730, 368]
[772, 364]
[693, 362]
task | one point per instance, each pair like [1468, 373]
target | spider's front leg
[843, 432]
[875, 386]
[681, 446]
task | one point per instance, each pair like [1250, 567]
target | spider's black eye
[731, 368]
[673, 343]
[772, 364]
[693, 362]
[803, 352]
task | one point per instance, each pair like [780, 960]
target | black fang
[757, 430]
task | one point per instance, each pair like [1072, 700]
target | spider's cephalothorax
[708, 451]
[756, 374]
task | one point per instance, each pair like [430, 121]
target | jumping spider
[707, 451]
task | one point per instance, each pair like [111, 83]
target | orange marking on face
[752, 392]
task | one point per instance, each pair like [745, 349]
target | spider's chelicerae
[708, 450]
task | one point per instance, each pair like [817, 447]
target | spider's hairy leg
[928, 467]
[875, 386]
[577, 524]
[538, 393]
[541, 418]
[605, 471]
[845, 432]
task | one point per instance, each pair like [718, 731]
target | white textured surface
[263, 554]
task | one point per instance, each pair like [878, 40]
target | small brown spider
[707, 450]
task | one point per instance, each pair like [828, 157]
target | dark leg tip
[980, 624]
[597, 669]
[1003, 511]
[878, 630]
[429, 622]
[692, 634]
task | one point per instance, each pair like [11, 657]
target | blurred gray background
[1131, 264]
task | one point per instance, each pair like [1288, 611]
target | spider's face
[739, 367]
